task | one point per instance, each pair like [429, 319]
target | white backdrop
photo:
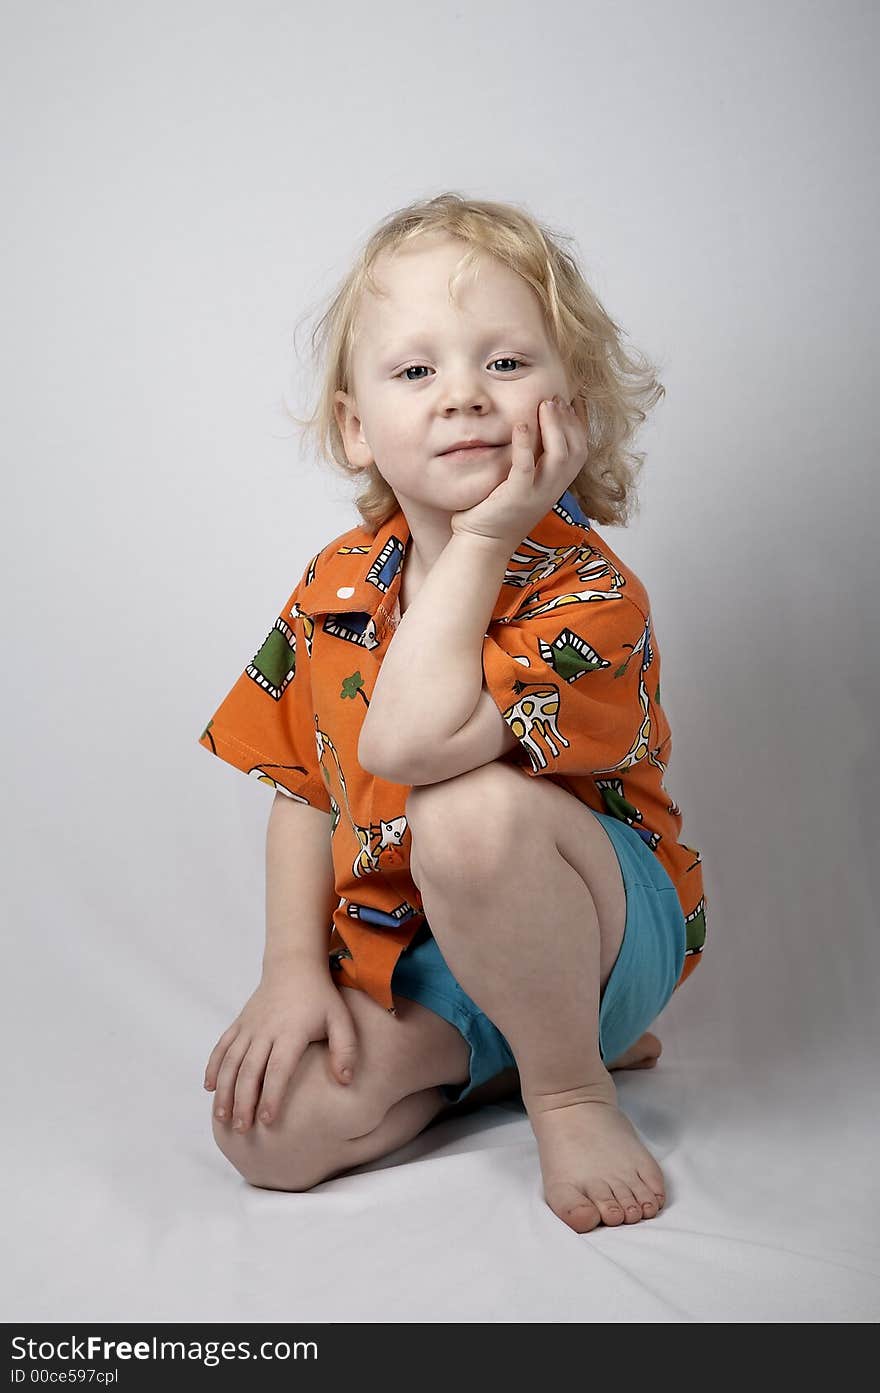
[183, 183]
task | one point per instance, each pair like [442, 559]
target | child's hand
[512, 509]
[253, 1061]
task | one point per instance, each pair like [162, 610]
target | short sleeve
[567, 678]
[265, 726]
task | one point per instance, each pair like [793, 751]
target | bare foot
[595, 1168]
[642, 1055]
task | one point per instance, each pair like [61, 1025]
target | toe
[653, 1178]
[572, 1206]
[632, 1211]
[608, 1205]
[645, 1197]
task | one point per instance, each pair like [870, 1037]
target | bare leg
[403, 1121]
[412, 1114]
[544, 999]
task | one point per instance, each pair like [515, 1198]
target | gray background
[183, 184]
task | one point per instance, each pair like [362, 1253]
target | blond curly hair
[613, 389]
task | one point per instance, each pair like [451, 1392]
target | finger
[576, 441]
[549, 426]
[558, 420]
[217, 1054]
[572, 426]
[343, 1043]
[282, 1065]
[227, 1075]
[566, 453]
[521, 454]
[249, 1084]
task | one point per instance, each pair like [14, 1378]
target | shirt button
[345, 592]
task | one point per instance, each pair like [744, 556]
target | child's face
[428, 373]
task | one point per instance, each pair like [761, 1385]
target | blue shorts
[642, 980]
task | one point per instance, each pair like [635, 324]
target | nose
[465, 393]
[464, 403]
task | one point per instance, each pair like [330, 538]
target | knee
[259, 1159]
[463, 828]
[261, 1163]
[306, 1142]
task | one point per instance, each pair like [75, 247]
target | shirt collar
[366, 571]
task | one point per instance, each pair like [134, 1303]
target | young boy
[459, 709]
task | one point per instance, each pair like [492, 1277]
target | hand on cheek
[536, 439]
[539, 473]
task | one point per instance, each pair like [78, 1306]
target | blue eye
[415, 367]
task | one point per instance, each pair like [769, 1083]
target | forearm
[432, 675]
[300, 885]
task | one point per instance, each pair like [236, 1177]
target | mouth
[466, 451]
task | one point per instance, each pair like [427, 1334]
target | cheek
[402, 426]
[399, 449]
[527, 406]
[394, 436]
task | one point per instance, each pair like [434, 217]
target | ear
[357, 451]
[343, 405]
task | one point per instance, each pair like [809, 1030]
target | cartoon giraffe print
[375, 838]
[536, 711]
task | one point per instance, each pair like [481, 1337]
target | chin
[473, 471]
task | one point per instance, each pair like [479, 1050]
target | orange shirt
[570, 659]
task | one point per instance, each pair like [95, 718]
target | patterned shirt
[570, 659]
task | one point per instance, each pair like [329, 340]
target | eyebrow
[412, 341]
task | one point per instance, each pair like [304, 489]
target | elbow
[372, 762]
[385, 761]
[369, 753]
